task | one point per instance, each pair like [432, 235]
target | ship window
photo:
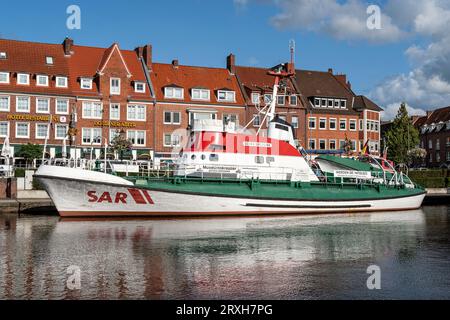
[281, 127]
[214, 147]
[213, 157]
[203, 157]
[259, 159]
[193, 157]
[270, 159]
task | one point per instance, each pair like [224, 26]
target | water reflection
[265, 257]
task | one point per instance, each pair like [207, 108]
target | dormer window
[267, 98]
[281, 100]
[324, 103]
[255, 97]
[139, 87]
[225, 95]
[42, 81]
[3, 55]
[49, 60]
[61, 82]
[86, 83]
[173, 93]
[4, 77]
[343, 104]
[23, 78]
[200, 94]
[316, 102]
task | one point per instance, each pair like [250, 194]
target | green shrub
[440, 182]
[19, 173]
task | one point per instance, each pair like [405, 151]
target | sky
[406, 59]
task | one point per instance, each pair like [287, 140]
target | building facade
[82, 97]
[335, 114]
[434, 131]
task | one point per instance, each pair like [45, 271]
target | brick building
[188, 93]
[335, 113]
[43, 87]
[434, 131]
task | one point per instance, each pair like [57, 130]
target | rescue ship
[223, 170]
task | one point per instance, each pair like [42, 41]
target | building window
[332, 124]
[23, 78]
[137, 137]
[200, 94]
[114, 86]
[256, 120]
[4, 103]
[23, 104]
[324, 103]
[438, 156]
[41, 130]
[336, 103]
[86, 83]
[61, 82]
[311, 123]
[3, 55]
[114, 111]
[42, 81]
[282, 118]
[91, 136]
[448, 154]
[267, 98]
[171, 140]
[92, 110]
[353, 145]
[342, 124]
[312, 144]
[231, 118]
[322, 144]
[113, 133]
[139, 87]
[332, 144]
[22, 130]
[281, 100]
[255, 97]
[49, 60]
[438, 144]
[352, 125]
[322, 123]
[42, 105]
[61, 131]
[316, 102]
[293, 100]
[223, 95]
[4, 77]
[294, 122]
[330, 103]
[173, 93]
[62, 106]
[136, 112]
[430, 144]
[361, 124]
[341, 144]
[4, 129]
[343, 104]
[172, 117]
[431, 157]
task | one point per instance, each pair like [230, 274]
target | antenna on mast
[292, 50]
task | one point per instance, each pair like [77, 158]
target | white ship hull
[79, 193]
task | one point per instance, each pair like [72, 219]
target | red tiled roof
[84, 61]
[321, 84]
[188, 77]
[362, 102]
[438, 115]
[30, 57]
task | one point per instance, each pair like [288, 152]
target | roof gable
[108, 54]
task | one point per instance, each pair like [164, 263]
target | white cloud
[390, 111]
[341, 20]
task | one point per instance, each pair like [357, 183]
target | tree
[401, 137]
[120, 144]
[30, 152]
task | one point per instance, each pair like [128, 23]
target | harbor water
[279, 257]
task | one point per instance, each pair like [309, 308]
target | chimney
[291, 68]
[147, 54]
[139, 51]
[330, 70]
[68, 43]
[231, 63]
[175, 63]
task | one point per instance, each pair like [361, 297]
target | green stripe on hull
[279, 191]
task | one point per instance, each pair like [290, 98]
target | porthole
[193, 157]
[203, 157]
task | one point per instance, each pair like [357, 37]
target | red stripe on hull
[137, 196]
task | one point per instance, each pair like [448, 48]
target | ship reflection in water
[286, 257]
